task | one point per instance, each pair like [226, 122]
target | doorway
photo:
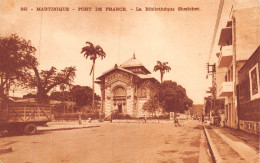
[119, 108]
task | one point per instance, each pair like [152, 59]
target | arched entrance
[119, 99]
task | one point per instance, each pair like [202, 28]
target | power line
[221, 3]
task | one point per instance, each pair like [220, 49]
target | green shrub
[75, 116]
[127, 116]
[165, 116]
[118, 116]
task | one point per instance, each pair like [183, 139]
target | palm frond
[156, 68]
[159, 62]
[93, 52]
[90, 45]
[100, 52]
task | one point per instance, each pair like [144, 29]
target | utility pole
[212, 71]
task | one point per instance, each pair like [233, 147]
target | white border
[252, 97]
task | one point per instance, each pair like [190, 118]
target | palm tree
[93, 52]
[162, 67]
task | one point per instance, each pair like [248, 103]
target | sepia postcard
[129, 81]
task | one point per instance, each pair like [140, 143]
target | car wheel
[30, 129]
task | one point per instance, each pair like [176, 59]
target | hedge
[75, 116]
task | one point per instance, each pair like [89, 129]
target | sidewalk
[229, 145]
[51, 126]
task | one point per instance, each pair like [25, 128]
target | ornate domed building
[125, 88]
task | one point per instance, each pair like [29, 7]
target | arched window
[119, 91]
[142, 92]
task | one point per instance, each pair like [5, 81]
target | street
[112, 142]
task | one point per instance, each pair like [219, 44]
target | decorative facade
[125, 88]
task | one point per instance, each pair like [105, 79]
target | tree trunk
[42, 96]
[161, 77]
[80, 121]
[93, 87]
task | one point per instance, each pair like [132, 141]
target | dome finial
[134, 56]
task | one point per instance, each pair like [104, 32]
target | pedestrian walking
[177, 121]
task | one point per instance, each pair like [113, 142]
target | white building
[125, 88]
[237, 42]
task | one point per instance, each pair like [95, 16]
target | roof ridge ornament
[134, 56]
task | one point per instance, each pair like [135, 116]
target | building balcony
[225, 36]
[225, 89]
[225, 56]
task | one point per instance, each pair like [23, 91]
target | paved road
[117, 142]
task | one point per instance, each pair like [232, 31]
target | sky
[182, 38]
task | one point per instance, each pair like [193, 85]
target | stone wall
[130, 100]
[108, 103]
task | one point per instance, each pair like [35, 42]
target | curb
[213, 149]
[66, 128]
[5, 149]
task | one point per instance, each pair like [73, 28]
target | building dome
[132, 63]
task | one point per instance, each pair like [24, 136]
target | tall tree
[93, 52]
[82, 95]
[58, 96]
[219, 105]
[151, 106]
[162, 67]
[18, 63]
[173, 97]
[17, 56]
[46, 80]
